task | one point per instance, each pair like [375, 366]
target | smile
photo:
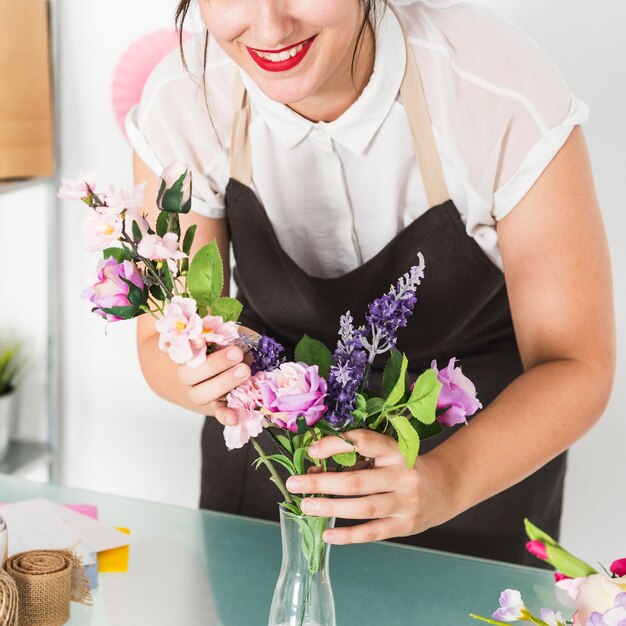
[283, 59]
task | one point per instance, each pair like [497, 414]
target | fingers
[376, 530]
[357, 483]
[216, 363]
[368, 443]
[370, 507]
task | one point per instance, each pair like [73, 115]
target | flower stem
[270, 466]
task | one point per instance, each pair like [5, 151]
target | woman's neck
[340, 92]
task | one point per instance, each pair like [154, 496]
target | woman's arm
[558, 278]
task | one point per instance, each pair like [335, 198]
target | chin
[285, 91]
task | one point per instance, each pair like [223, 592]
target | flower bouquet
[299, 401]
[598, 599]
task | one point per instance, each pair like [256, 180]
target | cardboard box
[26, 119]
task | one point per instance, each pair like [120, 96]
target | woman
[362, 135]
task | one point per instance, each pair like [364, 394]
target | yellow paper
[115, 560]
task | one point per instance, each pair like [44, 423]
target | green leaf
[125, 312]
[391, 371]
[314, 352]
[162, 223]
[166, 277]
[291, 507]
[324, 427]
[137, 235]
[423, 400]
[302, 425]
[157, 292]
[361, 402]
[119, 254]
[205, 279]
[408, 439]
[373, 406]
[189, 237]
[298, 460]
[171, 200]
[284, 441]
[229, 308]
[347, 459]
[426, 431]
[278, 458]
[397, 393]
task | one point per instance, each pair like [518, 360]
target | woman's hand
[400, 500]
[209, 383]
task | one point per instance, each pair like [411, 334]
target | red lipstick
[280, 66]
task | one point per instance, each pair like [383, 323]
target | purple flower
[615, 616]
[267, 355]
[291, 391]
[457, 396]
[346, 375]
[552, 618]
[512, 606]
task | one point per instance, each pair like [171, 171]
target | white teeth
[276, 57]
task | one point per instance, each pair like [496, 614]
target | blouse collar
[356, 127]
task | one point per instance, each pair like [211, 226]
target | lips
[283, 59]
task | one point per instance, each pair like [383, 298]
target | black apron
[462, 310]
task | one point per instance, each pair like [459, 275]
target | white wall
[121, 438]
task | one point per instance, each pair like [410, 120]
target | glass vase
[303, 595]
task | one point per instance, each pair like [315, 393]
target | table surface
[192, 567]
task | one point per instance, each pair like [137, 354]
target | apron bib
[462, 310]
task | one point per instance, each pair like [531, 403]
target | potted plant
[11, 364]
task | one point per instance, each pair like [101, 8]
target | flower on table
[457, 397]
[245, 400]
[596, 594]
[552, 618]
[180, 331]
[163, 248]
[101, 231]
[107, 289]
[512, 607]
[291, 391]
[79, 189]
[618, 568]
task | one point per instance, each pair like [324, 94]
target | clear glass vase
[303, 595]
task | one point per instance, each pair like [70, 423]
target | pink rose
[245, 400]
[156, 248]
[596, 593]
[457, 396]
[171, 198]
[107, 289]
[291, 391]
[180, 331]
[216, 331]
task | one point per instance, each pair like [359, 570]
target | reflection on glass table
[190, 567]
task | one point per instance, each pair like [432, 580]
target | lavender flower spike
[267, 355]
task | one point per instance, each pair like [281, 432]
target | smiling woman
[346, 137]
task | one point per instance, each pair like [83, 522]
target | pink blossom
[291, 391]
[107, 289]
[538, 549]
[124, 200]
[180, 331]
[558, 577]
[78, 189]
[457, 396]
[113, 202]
[101, 231]
[552, 618]
[133, 199]
[596, 593]
[512, 607]
[618, 567]
[156, 248]
[245, 400]
[216, 331]
[615, 616]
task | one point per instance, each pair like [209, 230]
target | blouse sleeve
[172, 123]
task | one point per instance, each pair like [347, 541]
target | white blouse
[338, 192]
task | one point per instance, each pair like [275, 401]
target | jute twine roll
[8, 600]
[47, 580]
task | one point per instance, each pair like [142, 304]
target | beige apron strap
[240, 160]
[414, 102]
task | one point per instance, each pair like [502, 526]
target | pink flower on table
[618, 567]
[107, 289]
[457, 396]
[218, 332]
[180, 331]
[101, 231]
[596, 593]
[78, 189]
[291, 391]
[538, 549]
[512, 607]
[156, 248]
[245, 400]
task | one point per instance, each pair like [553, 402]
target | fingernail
[241, 371]
[308, 506]
[293, 484]
[329, 536]
[233, 354]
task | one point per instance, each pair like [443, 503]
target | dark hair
[370, 15]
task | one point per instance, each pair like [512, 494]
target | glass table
[190, 567]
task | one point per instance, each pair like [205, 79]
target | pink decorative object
[134, 67]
